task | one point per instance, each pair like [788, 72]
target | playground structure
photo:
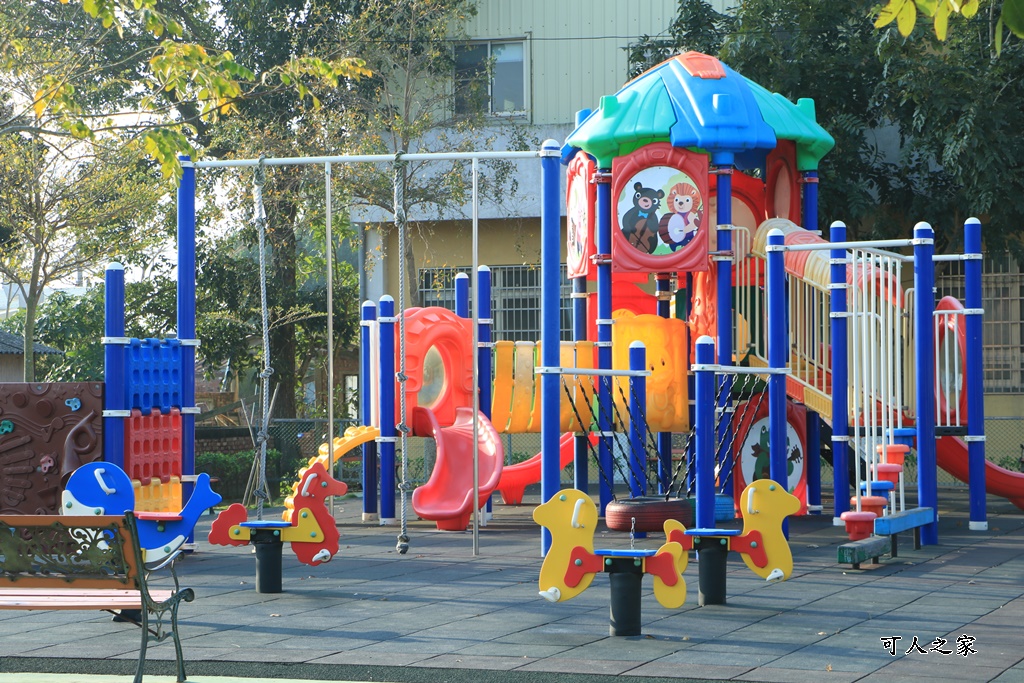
[847, 348]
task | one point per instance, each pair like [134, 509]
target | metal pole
[330, 324]
[367, 394]
[186, 322]
[840, 375]
[550, 338]
[924, 380]
[475, 275]
[704, 434]
[975, 378]
[778, 350]
[115, 395]
[603, 226]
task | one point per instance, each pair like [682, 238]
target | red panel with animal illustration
[750, 447]
[660, 216]
[580, 196]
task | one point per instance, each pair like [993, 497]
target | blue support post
[778, 351]
[366, 395]
[812, 463]
[637, 421]
[704, 435]
[462, 295]
[663, 285]
[975, 375]
[810, 200]
[484, 386]
[186, 322]
[581, 445]
[484, 335]
[840, 376]
[725, 318]
[387, 409]
[551, 257]
[924, 380]
[603, 226]
[115, 395]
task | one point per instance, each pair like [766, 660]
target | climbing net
[747, 390]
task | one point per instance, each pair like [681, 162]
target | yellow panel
[764, 506]
[501, 398]
[668, 361]
[158, 497]
[582, 389]
[522, 388]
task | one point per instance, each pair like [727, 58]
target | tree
[156, 64]
[905, 13]
[409, 104]
[61, 209]
[697, 26]
[825, 51]
[959, 110]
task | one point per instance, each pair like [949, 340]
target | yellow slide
[352, 438]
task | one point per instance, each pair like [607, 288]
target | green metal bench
[52, 562]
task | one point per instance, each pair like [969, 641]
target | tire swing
[647, 513]
[642, 513]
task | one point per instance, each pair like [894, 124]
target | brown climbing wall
[46, 431]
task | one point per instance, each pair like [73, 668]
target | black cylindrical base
[712, 553]
[624, 618]
[268, 567]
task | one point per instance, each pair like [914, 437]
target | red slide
[447, 497]
[951, 455]
[515, 478]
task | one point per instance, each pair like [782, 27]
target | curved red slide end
[951, 455]
[447, 497]
[515, 478]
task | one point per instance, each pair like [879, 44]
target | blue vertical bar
[840, 376]
[924, 381]
[725, 321]
[637, 422]
[483, 281]
[704, 435]
[812, 461]
[462, 295]
[387, 409]
[115, 390]
[975, 378]
[778, 350]
[551, 309]
[187, 317]
[691, 390]
[484, 335]
[581, 450]
[663, 285]
[812, 464]
[603, 239]
[369, 315]
[810, 200]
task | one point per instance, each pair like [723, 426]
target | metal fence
[515, 299]
[299, 440]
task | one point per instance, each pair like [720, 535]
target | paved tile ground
[440, 613]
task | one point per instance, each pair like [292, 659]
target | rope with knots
[399, 182]
[262, 437]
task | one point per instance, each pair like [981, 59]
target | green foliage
[905, 14]
[697, 27]
[233, 469]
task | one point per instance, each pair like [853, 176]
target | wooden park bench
[52, 562]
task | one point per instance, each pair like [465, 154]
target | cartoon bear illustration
[679, 227]
[640, 223]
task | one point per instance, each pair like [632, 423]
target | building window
[515, 299]
[490, 77]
